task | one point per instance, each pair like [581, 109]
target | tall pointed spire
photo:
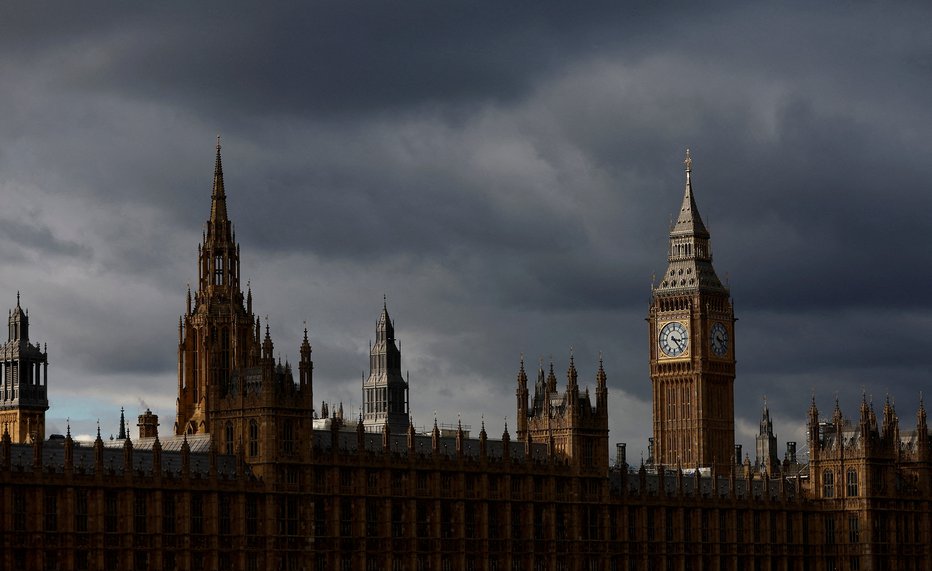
[122, 432]
[385, 329]
[218, 197]
[689, 222]
[690, 253]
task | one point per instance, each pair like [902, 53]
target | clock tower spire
[692, 360]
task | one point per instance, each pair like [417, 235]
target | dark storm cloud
[505, 174]
[20, 238]
[332, 58]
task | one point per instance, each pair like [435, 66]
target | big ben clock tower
[692, 356]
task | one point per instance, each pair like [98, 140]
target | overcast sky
[504, 173]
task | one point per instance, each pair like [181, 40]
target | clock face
[674, 339]
[719, 338]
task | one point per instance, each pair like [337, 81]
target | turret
[572, 388]
[767, 459]
[23, 380]
[385, 390]
[19, 323]
[891, 426]
[522, 395]
[922, 428]
[812, 429]
[305, 366]
[601, 390]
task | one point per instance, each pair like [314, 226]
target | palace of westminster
[254, 478]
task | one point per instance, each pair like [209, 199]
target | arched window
[253, 438]
[852, 481]
[228, 438]
[828, 484]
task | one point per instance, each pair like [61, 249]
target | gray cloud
[505, 174]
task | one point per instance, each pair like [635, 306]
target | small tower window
[218, 270]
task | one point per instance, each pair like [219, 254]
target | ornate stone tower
[385, 392]
[24, 371]
[229, 384]
[568, 422]
[218, 334]
[766, 441]
[692, 350]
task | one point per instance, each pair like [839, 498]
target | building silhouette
[254, 478]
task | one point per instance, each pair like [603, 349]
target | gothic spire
[571, 375]
[19, 323]
[122, 433]
[522, 375]
[600, 376]
[218, 197]
[385, 329]
[766, 425]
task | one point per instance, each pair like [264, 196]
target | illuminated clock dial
[719, 338]
[673, 339]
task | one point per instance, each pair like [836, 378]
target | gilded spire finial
[218, 142]
[688, 162]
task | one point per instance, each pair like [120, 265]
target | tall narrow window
[197, 513]
[141, 513]
[228, 438]
[828, 484]
[252, 515]
[223, 506]
[80, 510]
[829, 529]
[218, 270]
[51, 510]
[253, 438]
[168, 513]
[852, 481]
[854, 531]
[288, 437]
[110, 512]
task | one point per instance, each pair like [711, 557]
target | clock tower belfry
[692, 357]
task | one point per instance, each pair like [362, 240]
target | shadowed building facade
[253, 479]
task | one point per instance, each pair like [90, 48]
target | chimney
[791, 452]
[738, 454]
[621, 459]
[148, 425]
